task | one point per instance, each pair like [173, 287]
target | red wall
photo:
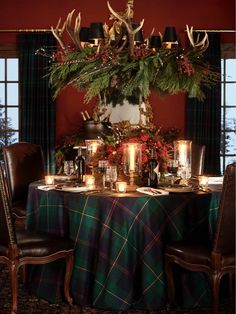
[201, 14]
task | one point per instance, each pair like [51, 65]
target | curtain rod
[45, 30]
[32, 30]
[215, 30]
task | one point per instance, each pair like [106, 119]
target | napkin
[152, 191]
[215, 180]
[46, 187]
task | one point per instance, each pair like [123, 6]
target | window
[228, 112]
[9, 100]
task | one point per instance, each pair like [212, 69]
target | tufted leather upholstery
[216, 258]
[24, 164]
[19, 247]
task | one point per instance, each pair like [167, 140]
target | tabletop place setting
[86, 175]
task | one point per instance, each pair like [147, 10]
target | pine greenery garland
[167, 71]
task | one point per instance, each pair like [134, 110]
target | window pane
[2, 138]
[12, 94]
[231, 94]
[230, 143]
[12, 69]
[2, 118]
[229, 160]
[230, 119]
[12, 137]
[13, 120]
[231, 69]
[2, 69]
[2, 94]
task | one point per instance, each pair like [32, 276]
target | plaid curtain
[37, 105]
[203, 118]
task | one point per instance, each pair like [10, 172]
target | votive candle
[121, 187]
[90, 181]
[49, 180]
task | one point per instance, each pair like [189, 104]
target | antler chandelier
[105, 57]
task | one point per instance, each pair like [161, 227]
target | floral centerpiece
[112, 148]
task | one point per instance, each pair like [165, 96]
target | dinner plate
[179, 189]
[73, 189]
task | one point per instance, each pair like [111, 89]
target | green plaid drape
[37, 105]
[203, 118]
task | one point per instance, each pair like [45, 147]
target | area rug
[28, 304]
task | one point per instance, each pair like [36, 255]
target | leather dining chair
[215, 258]
[24, 163]
[20, 247]
[198, 158]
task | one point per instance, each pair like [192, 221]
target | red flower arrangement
[112, 150]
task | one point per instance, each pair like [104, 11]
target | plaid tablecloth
[119, 245]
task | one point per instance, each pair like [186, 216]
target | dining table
[120, 241]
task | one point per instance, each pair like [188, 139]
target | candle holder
[91, 149]
[203, 183]
[49, 180]
[132, 153]
[121, 187]
[183, 154]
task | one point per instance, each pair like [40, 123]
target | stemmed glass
[69, 167]
[172, 167]
[111, 175]
[102, 166]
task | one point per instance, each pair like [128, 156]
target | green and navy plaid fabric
[119, 245]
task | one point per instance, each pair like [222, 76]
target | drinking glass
[172, 167]
[102, 166]
[111, 175]
[69, 167]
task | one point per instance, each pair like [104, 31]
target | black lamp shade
[84, 34]
[170, 35]
[139, 35]
[96, 31]
[155, 41]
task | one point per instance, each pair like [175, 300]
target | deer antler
[74, 33]
[131, 31]
[203, 44]
[57, 33]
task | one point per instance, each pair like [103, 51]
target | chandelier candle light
[118, 49]
[132, 162]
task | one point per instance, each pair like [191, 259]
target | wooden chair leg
[68, 273]
[215, 284]
[14, 286]
[24, 275]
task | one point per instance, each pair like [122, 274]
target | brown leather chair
[198, 158]
[21, 247]
[216, 258]
[24, 163]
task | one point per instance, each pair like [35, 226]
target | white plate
[179, 189]
[152, 191]
[73, 189]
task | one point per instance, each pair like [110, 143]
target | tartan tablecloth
[119, 245]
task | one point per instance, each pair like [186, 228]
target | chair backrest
[224, 241]
[198, 158]
[7, 233]
[24, 164]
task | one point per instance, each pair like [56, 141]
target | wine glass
[111, 175]
[69, 167]
[102, 166]
[172, 167]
